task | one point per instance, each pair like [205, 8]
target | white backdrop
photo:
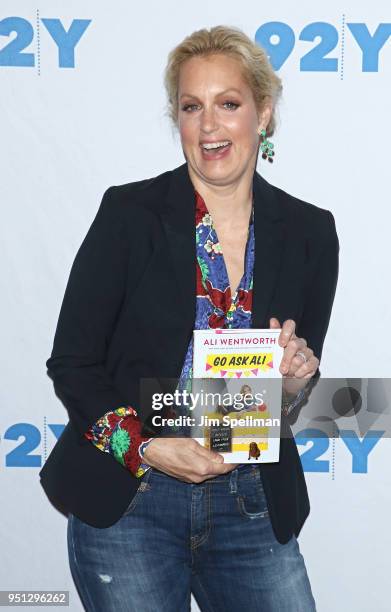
[68, 132]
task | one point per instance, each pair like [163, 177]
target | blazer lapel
[178, 218]
[269, 232]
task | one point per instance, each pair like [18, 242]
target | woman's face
[217, 105]
[245, 389]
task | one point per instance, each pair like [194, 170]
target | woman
[163, 516]
[247, 401]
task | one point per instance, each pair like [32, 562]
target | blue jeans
[213, 539]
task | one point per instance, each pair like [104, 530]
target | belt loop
[233, 481]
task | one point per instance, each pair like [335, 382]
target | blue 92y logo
[21, 34]
[359, 450]
[23, 455]
[278, 39]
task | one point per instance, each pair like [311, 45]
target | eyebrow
[219, 94]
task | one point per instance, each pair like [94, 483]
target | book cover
[238, 410]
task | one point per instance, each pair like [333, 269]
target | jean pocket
[143, 488]
[251, 499]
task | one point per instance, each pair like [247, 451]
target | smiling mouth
[215, 146]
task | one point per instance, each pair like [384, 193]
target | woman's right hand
[185, 459]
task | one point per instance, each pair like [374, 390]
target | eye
[232, 104]
[187, 106]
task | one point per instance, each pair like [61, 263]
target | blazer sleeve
[320, 296]
[317, 311]
[92, 301]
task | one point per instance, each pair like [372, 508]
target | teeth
[215, 145]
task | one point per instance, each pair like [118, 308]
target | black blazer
[128, 313]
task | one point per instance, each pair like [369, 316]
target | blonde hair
[256, 68]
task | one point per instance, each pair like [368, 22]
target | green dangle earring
[267, 147]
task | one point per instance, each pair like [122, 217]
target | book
[238, 409]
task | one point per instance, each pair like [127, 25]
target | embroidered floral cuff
[290, 402]
[118, 432]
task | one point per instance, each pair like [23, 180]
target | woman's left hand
[298, 362]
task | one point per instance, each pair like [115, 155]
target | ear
[265, 114]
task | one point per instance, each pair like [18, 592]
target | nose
[208, 119]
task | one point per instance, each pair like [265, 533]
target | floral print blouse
[118, 432]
